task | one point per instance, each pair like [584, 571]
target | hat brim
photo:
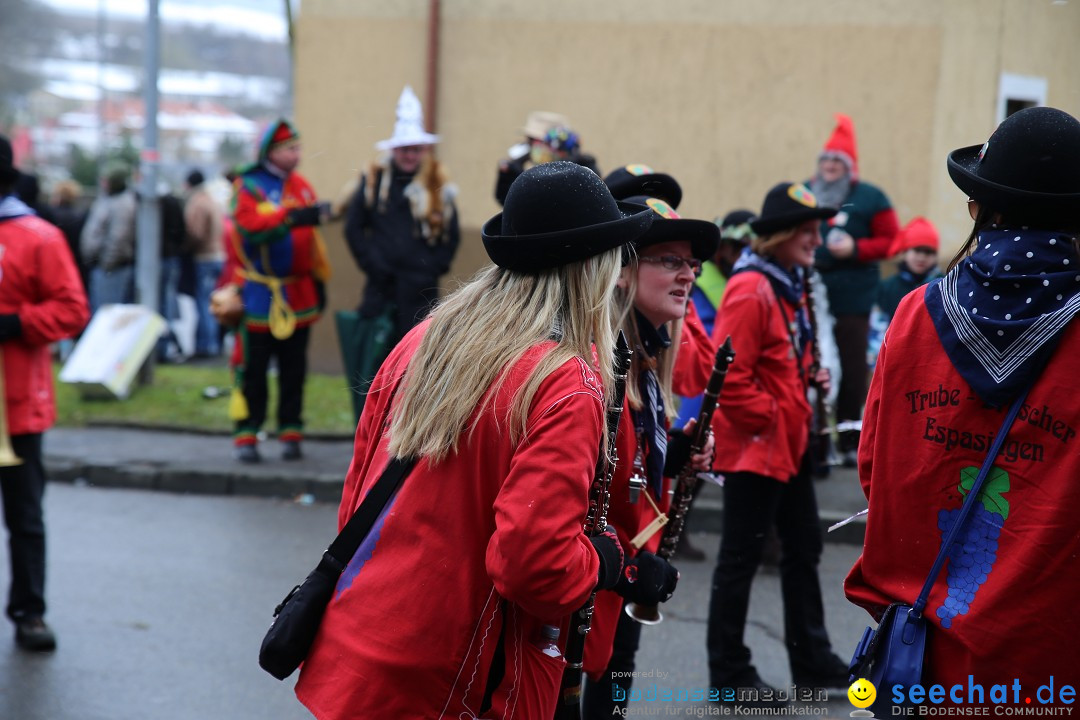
[776, 223]
[703, 236]
[963, 164]
[532, 254]
[656, 185]
[391, 143]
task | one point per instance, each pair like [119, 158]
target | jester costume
[278, 259]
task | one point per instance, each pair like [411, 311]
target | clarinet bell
[637, 484]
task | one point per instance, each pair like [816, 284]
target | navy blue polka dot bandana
[1001, 311]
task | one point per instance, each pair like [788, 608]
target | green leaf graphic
[993, 490]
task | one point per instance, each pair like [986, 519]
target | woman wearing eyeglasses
[672, 353]
[762, 428]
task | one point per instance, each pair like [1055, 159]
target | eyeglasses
[673, 262]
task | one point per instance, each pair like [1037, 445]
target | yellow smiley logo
[862, 693]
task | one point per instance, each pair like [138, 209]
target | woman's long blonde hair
[664, 362]
[481, 329]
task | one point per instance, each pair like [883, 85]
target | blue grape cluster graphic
[974, 550]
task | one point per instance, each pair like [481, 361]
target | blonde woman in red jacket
[440, 612]
[762, 428]
[41, 301]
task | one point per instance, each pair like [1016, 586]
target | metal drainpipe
[432, 65]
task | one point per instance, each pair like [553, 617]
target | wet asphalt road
[160, 602]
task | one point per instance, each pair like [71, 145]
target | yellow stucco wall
[727, 96]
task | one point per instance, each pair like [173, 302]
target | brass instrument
[595, 523]
[8, 458]
[687, 478]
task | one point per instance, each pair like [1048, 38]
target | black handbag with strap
[297, 617]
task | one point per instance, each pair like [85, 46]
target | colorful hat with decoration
[735, 227]
[669, 226]
[539, 122]
[639, 179]
[278, 134]
[841, 145]
[787, 205]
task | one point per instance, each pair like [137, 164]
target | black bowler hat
[788, 205]
[1029, 167]
[558, 213]
[669, 226]
[638, 179]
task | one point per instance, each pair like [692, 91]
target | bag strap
[969, 503]
[343, 548]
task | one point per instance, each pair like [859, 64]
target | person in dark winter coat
[858, 237]
[402, 223]
[917, 246]
[41, 301]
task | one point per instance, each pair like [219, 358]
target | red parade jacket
[40, 283]
[924, 434]
[762, 421]
[486, 542]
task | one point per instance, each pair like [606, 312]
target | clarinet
[687, 478]
[820, 435]
[569, 706]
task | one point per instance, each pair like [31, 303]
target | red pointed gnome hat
[920, 232]
[841, 144]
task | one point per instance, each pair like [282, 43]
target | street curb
[320, 487]
[272, 482]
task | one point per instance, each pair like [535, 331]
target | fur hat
[787, 205]
[920, 232]
[638, 179]
[1029, 169]
[558, 213]
[409, 128]
[841, 145]
[669, 226]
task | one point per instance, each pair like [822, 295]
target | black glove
[306, 216]
[647, 580]
[611, 556]
[678, 452]
[10, 327]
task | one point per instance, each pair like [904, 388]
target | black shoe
[291, 451]
[830, 674]
[31, 633]
[851, 459]
[247, 454]
[689, 553]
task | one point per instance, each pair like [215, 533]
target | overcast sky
[265, 18]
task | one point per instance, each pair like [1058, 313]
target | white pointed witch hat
[409, 128]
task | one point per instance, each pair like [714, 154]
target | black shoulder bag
[297, 617]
